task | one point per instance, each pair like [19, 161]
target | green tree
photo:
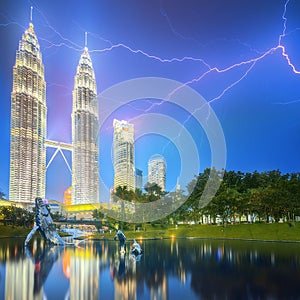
[2, 195]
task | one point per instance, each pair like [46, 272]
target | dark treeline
[18, 216]
[241, 197]
[266, 196]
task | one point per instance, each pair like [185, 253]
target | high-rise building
[157, 171]
[68, 196]
[138, 178]
[28, 122]
[85, 129]
[123, 144]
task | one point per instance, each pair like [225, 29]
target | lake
[168, 269]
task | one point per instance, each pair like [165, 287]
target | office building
[28, 122]
[157, 171]
[123, 149]
[85, 130]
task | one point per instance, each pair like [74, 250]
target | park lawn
[261, 231]
[258, 231]
[13, 231]
[17, 231]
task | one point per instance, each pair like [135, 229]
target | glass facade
[157, 171]
[28, 122]
[85, 130]
[123, 144]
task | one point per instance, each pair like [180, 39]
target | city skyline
[246, 67]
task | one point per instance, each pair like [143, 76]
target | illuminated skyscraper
[123, 154]
[138, 178]
[157, 171]
[28, 122]
[85, 126]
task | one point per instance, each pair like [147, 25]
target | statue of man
[122, 238]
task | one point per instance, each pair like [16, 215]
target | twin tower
[28, 127]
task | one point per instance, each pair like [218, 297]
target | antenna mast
[85, 40]
[31, 8]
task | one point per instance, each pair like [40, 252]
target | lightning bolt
[249, 64]
[288, 103]
[188, 38]
[10, 22]
[209, 69]
[75, 46]
[280, 46]
[65, 41]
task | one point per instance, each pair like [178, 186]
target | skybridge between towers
[59, 146]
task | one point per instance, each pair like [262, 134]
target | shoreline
[264, 232]
[168, 238]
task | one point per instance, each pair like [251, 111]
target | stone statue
[136, 248]
[44, 224]
[122, 238]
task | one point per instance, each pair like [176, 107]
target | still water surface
[168, 269]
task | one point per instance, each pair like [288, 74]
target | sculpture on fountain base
[44, 224]
[136, 248]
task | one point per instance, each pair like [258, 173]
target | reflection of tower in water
[160, 291]
[21, 280]
[20, 275]
[125, 279]
[81, 266]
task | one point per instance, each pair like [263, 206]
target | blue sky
[201, 43]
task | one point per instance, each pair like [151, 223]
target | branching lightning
[251, 62]
[247, 64]
[288, 103]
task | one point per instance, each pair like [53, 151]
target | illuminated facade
[28, 122]
[123, 144]
[68, 196]
[157, 171]
[85, 126]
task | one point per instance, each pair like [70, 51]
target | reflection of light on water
[81, 267]
[272, 259]
[97, 270]
[66, 264]
[21, 280]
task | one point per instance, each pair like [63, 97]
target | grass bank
[13, 231]
[270, 232]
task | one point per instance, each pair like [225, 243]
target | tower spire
[31, 9]
[85, 39]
